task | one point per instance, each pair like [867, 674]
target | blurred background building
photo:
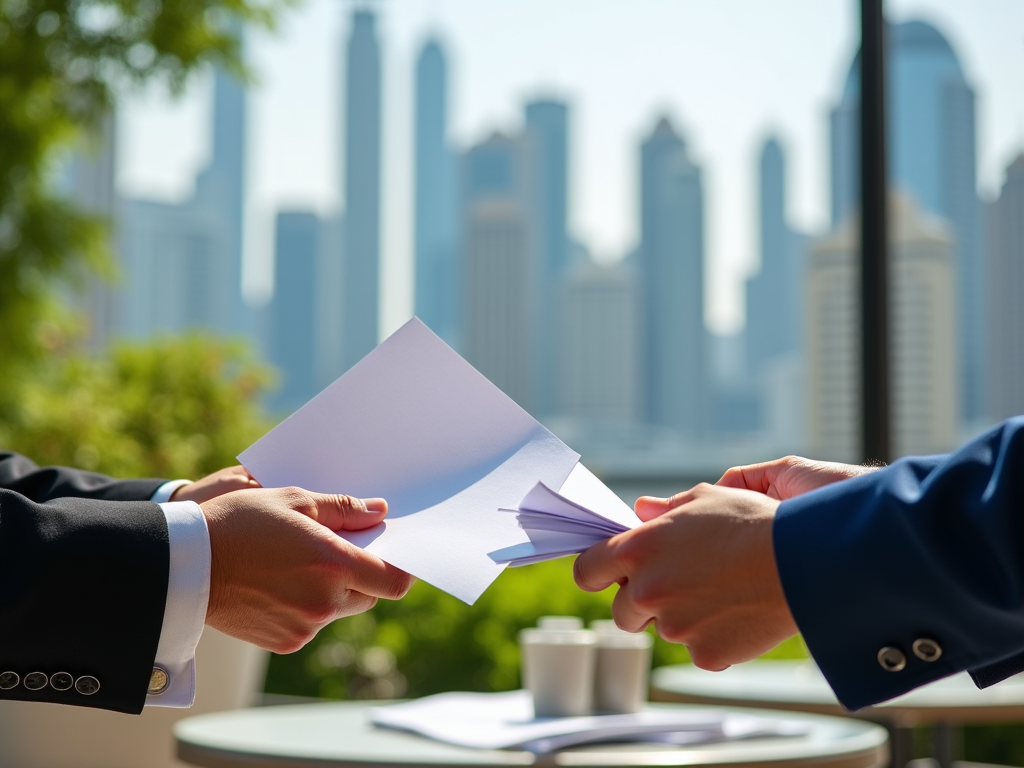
[615, 353]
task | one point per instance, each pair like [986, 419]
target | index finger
[599, 567]
[751, 477]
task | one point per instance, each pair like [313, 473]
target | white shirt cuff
[165, 491]
[188, 593]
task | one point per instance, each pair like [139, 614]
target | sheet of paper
[582, 512]
[505, 720]
[415, 424]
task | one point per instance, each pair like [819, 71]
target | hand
[704, 572]
[279, 572]
[220, 482]
[789, 476]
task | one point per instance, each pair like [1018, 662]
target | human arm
[929, 549]
[83, 584]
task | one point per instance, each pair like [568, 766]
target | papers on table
[505, 720]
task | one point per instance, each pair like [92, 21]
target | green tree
[62, 62]
[177, 407]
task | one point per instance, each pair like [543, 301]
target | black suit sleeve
[84, 565]
[21, 475]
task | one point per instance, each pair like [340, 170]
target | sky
[727, 74]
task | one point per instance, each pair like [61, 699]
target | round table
[799, 686]
[340, 734]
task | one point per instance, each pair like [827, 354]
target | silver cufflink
[159, 681]
[61, 681]
[926, 650]
[36, 681]
[87, 685]
[892, 659]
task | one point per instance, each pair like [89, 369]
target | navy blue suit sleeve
[928, 548]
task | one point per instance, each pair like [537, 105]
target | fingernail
[375, 506]
[653, 499]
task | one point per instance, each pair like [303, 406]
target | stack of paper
[414, 423]
[558, 526]
[506, 721]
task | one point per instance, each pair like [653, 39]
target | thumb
[650, 507]
[347, 513]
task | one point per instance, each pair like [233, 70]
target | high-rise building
[500, 267]
[933, 159]
[293, 313]
[90, 183]
[1006, 316]
[598, 364]
[923, 351]
[671, 266]
[547, 129]
[360, 292]
[437, 265]
[774, 294]
[182, 263]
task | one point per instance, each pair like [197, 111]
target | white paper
[505, 720]
[415, 424]
[583, 512]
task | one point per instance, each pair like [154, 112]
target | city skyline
[726, 199]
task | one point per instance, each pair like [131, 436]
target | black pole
[875, 394]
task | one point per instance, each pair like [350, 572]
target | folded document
[568, 522]
[506, 721]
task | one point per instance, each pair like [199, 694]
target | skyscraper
[437, 268]
[91, 185]
[294, 321]
[775, 293]
[672, 285]
[923, 330]
[501, 268]
[360, 292]
[547, 129]
[1006, 316]
[597, 309]
[933, 159]
[182, 263]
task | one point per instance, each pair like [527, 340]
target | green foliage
[431, 642]
[171, 408]
[61, 64]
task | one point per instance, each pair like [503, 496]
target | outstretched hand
[217, 484]
[280, 572]
[702, 568]
[789, 476]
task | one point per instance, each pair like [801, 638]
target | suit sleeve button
[36, 681]
[892, 659]
[927, 650]
[61, 681]
[87, 685]
[9, 680]
[159, 681]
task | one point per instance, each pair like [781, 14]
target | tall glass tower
[360, 293]
[934, 160]
[672, 285]
[438, 291]
[775, 293]
[547, 133]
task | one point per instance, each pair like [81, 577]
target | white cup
[558, 669]
[622, 669]
[560, 622]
